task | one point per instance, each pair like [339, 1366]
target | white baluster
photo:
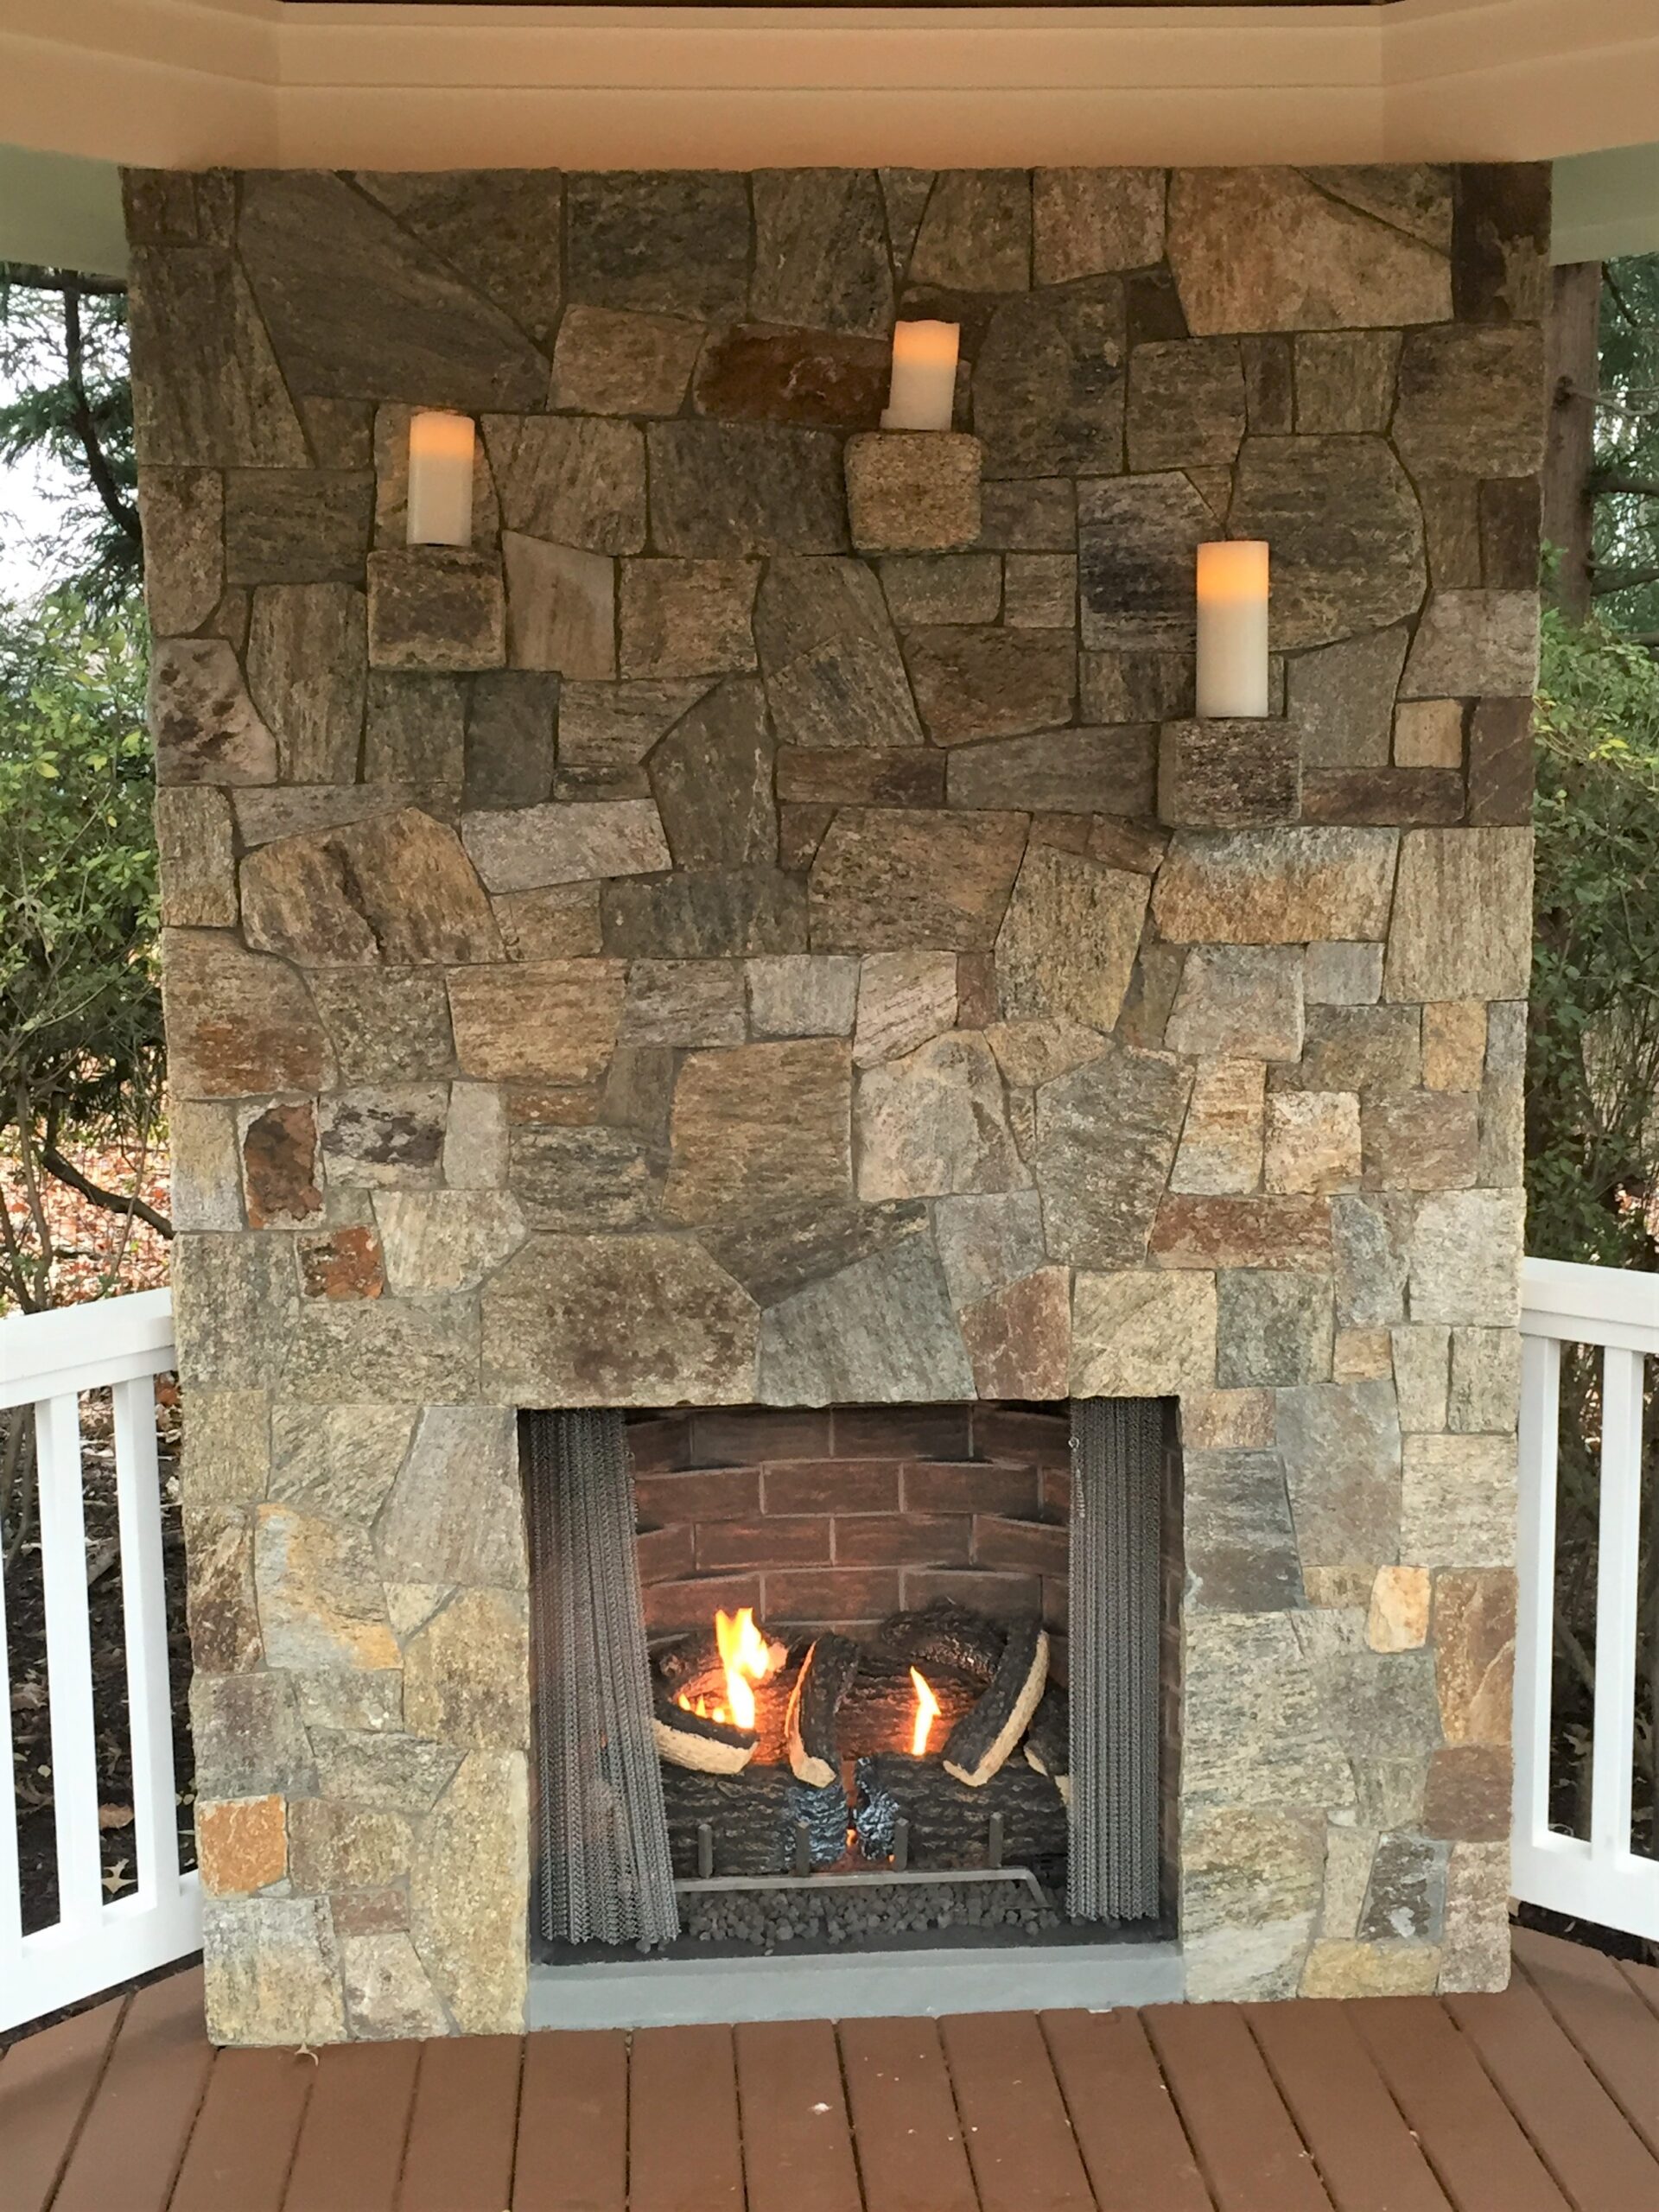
[69, 1664]
[155, 1825]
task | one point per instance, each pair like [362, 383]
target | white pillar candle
[1233, 629]
[923, 389]
[441, 479]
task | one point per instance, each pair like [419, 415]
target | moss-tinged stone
[1274, 1328]
[1104, 1142]
[1143, 1334]
[386, 1348]
[881, 1328]
[467, 1890]
[1068, 942]
[272, 1971]
[1049, 384]
[932, 1123]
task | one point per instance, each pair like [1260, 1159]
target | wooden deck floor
[1544, 2098]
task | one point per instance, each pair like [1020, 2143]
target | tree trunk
[1572, 370]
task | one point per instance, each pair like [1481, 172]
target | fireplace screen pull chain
[605, 1870]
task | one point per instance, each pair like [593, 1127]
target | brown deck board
[47, 2082]
[1596, 2156]
[573, 2125]
[1248, 2147]
[351, 2147]
[1128, 2129]
[1020, 2142]
[684, 2154]
[243, 2142]
[134, 2135]
[1595, 2004]
[911, 2155]
[1483, 2161]
[1366, 2155]
[459, 2155]
[1644, 1980]
[798, 2147]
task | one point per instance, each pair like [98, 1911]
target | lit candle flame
[927, 1712]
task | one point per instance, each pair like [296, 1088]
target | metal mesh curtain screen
[603, 1871]
[1116, 1549]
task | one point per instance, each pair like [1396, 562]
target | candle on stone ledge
[441, 450]
[1233, 630]
[923, 389]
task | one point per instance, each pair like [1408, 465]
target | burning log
[980, 1745]
[696, 1741]
[879, 1711]
[944, 1638]
[826, 1675]
[949, 1823]
[694, 1666]
[753, 1820]
[1048, 1740]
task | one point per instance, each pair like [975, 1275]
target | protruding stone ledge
[912, 491]
[1228, 775]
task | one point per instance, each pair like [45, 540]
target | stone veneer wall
[660, 957]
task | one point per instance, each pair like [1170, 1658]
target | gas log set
[940, 1745]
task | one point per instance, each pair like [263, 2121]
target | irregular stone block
[881, 1329]
[1415, 199]
[931, 1124]
[296, 526]
[387, 1992]
[1341, 1447]
[606, 730]
[988, 1241]
[580, 1179]
[1485, 1388]
[976, 234]
[391, 1135]
[339, 1461]
[183, 514]
[1475, 1948]
[663, 241]
[241, 1845]
[207, 392]
[798, 994]
[1137, 553]
[887, 881]
[1343, 975]
[279, 1166]
[1091, 222]
[607, 362]
[508, 744]
[357, 305]
[238, 1023]
[1398, 1618]
[1143, 1334]
[852, 775]
[1018, 1337]
[468, 1932]
[345, 1846]
[271, 1971]
[1474, 1654]
[903, 999]
[1362, 1356]
[1239, 1001]
[1274, 1329]
[688, 617]
[1048, 384]
[524, 849]
[719, 489]
[1458, 1501]
[538, 1021]
[1421, 1353]
[1313, 1141]
[1277, 886]
[616, 1320]
[1467, 1797]
[1339, 700]
[435, 608]
[396, 888]
[1255, 1731]
[821, 250]
[912, 491]
[500, 228]
[712, 776]
[204, 726]
[1185, 405]
[981, 682]
[195, 846]
[1104, 1142]
[1475, 642]
[833, 672]
[207, 1186]
[1243, 1233]
[759, 1126]
[1501, 767]
[341, 1263]
[1042, 590]
[945, 587]
[1346, 532]
[821, 379]
[414, 732]
[573, 481]
[684, 1003]
[1369, 1969]
[1228, 775]
[697, 917]
[1068, 942]
[1465, 1265]
[1264, 248]
[321, 1603]
[1222, 1137]
[1422, 1141]
[1362, 1048]
[1462, 925]
[1135, 687]
[1036, 516]
[1471, 402]
[561, 607]
[1069, 770]
[382, 1349]
[1344, 380]
[1237, 1540]
[445, 1240]
[466, 1672]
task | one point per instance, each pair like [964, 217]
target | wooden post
[1572, 371]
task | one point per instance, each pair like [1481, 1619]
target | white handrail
[1599, 1878]
[47, 1361]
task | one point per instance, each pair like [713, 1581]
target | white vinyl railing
[1599, 1878]
[46, 1360]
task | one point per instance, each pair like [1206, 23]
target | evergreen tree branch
[120, 510]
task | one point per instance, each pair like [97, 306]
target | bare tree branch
[56, 1164]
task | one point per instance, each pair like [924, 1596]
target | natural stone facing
[912, 491]
[581, 945]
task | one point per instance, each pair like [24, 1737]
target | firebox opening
[875, 1677]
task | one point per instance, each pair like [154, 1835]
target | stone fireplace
[762, 929]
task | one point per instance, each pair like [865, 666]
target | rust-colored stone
[241, 1845]
[833, 379]
[1467, 1795]
[279, 1168]
[1243, 1233]
[344, 1263]
[1474, 1654]
[1020, 1341]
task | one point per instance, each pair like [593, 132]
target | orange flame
[927, 1712]
[747, 1659]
